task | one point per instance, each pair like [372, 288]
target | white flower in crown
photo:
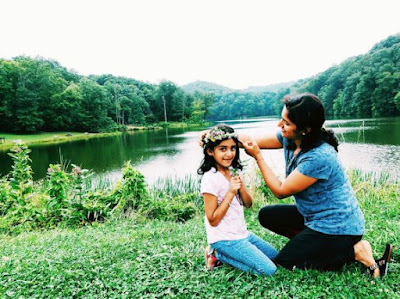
[218, 134]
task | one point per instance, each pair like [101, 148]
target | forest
[362, 86]
[41, 95]
[38, 94]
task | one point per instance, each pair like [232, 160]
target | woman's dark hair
[307, 111]
[208, 161]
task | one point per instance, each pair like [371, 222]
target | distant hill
[206, 87]
[269, 88]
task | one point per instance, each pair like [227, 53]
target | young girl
[225, 194]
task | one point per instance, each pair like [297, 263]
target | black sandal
[382, 263]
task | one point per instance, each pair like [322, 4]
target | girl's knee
[265, 267]
[267, 271]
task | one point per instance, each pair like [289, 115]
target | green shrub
[5, 201]
[131, 192]
[79, 178]
[170, 187]
[58, 182]
[94, 206]
[84, 205]
[68, 199]
[179, 208]
[20, 179]
[19, 204]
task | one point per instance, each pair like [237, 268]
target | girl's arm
[294, 183]
[215, 212]
[244, 194]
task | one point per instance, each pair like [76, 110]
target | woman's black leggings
[307, 248]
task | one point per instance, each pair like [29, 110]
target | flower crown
[218, 134]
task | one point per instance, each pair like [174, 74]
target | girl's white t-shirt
[233, 225]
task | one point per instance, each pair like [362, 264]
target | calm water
[367, 144]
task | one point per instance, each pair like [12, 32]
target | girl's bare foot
[210, 259]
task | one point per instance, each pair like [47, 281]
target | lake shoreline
[63, 137]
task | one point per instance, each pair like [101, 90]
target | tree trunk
[165, 109]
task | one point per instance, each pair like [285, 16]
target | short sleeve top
[233, 225]
[329, 205]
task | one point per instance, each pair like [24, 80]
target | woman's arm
[294, 183]
[215, 212]
[269, 141]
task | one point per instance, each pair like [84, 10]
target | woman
[326, 225]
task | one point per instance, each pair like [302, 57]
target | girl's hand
[241, 178]
[234, 172]
[235, 184]
[252, 149]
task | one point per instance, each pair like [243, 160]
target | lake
[366, 144]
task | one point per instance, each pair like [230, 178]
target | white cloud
[230, 42]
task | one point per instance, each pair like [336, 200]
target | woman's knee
[264, 216]
[286, 262]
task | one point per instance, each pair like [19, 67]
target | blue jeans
[251, 254]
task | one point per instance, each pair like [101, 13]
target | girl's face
[288, 128]
[224, 153]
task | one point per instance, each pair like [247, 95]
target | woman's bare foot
[363, 254]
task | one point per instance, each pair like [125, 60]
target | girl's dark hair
[208, 161]
[307, 111]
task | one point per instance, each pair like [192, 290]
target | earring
[304, 134]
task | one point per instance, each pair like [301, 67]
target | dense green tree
[198, 111]
[167, 102]
[387, 86]
[9, 73]
[65, 107]
[92, 114]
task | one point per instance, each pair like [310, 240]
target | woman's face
[288, 128]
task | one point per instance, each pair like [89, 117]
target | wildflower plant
[21, 180]
[131, 192]
[79, 176]
[58, 182]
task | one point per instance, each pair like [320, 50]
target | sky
[228, 42]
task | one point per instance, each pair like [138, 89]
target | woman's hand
[252, 149]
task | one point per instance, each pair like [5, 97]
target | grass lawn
[141, 258]
[135, 259]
